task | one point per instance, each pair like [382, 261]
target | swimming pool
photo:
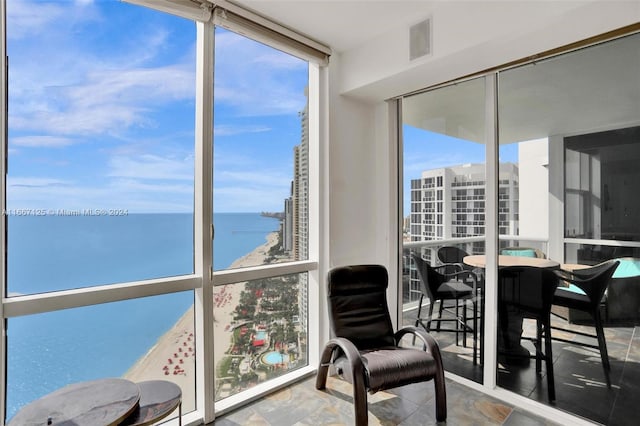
[274, 357]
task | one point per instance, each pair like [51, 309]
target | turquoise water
[47, 351]
[273, 357]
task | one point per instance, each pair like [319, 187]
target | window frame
[203, 280]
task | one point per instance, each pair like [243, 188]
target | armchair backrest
[358, 308]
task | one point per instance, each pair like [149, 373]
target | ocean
[48, 253]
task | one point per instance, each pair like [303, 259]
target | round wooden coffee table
[102, 402]
[158, 399]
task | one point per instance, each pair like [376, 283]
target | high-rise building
[296, 219]
[449, 202]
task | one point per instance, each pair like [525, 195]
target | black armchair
[365, 350]
[586, 292]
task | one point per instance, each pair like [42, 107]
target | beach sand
[172, 357]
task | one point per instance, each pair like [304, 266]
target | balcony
[579, 379]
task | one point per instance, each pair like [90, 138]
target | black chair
[527, 292]
[460, 287]
[453, 256]
[365, 350]
[585, 292]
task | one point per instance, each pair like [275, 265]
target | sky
[102, 111]
[426, 150]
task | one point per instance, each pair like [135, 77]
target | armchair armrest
[583, 283]
[429, 343]
[352, 354]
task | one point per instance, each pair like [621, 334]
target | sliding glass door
[565, 192]
[444, 213]
[571, 124]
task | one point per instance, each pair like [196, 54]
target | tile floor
[301, 404]
[580, 389]
[579, 378]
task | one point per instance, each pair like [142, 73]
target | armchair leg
[360, 402]
[441, 397]
[323, 369]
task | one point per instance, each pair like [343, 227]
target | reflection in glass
[260, 331]
[142, 339]
[572, 122]
[444, 200]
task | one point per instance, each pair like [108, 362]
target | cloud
[150, 166]
[35, 182]
[105, 101]
[49, 194]
[255, 80]
[258, 179]
[242, 199]
[22, 20]
[232, 130]
[41, 141]
[93, 84]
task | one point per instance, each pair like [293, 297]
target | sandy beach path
[172, 358]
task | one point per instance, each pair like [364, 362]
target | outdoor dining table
[479, 261]
[509, 343]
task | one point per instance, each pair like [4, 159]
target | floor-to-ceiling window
[107, 202]
[261, 213]
[444, 212]
[572, 123]
[99, 191]
[567, 128]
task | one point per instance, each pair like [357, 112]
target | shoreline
[172, 356]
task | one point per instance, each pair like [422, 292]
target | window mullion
[203, 221]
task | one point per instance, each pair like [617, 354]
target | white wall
[469, 37]
[533, 161]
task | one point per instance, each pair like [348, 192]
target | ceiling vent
[420, 39]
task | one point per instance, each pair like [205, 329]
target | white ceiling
[576, 94]
[341, 24]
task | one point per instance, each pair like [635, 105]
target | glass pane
[260, 331]
[601, 176]
[101, 144]
[261, 174]
[571, 123]
[444, 211]
[142, 339]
